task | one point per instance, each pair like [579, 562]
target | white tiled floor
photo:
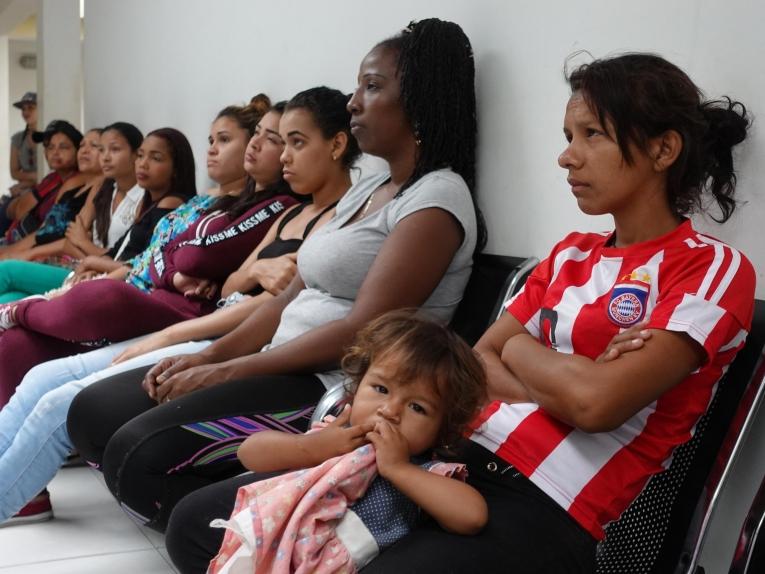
[89, 534]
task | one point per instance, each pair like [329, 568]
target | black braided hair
[436, 73]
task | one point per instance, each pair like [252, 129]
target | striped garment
[575, 302]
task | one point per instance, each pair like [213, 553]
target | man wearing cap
[23, 154]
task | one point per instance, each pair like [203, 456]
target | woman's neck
[403, 162]
[126, 183]
[93, 179]
[156, 195]
[643, 221]
[66, 173]
[332, 190]
[260, 186]
[232, 187]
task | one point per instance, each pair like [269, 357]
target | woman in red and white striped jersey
[605, 361]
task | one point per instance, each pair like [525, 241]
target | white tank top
[122, 217]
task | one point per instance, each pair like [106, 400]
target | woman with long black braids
[414, 107]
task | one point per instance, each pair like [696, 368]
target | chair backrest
[654, 534]
[493, 280]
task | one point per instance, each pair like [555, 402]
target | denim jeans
[33, 439]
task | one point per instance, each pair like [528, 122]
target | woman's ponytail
[727, 124]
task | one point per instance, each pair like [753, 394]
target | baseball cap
[58, 126]
[28, 98]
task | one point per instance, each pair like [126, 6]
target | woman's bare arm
[503, 385]
[248, 276]
[599, 397]
[21, 205]
[42, 251]
[405, 272]
[209, 326]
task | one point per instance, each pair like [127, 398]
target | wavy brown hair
[427, 350]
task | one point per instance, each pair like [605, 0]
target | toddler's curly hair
[427, 350]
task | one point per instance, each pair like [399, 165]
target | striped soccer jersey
[575, 302]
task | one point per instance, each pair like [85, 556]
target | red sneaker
[37, 510]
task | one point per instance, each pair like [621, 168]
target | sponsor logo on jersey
[627, 304]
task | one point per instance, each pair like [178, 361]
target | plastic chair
[664, 529]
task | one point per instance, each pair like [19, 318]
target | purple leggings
[91, 314]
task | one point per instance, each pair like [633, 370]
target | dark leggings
[527, 531]
[152, 456]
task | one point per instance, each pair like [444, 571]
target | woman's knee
[189, 539]
[54, 405]
[100, 409]
[188, 536]
[86, 415]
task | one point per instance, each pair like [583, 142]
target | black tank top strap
[312, 223]
[292, 214]
[70, 194]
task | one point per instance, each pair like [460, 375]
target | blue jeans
[33, 439]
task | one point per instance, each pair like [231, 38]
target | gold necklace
[367, 204]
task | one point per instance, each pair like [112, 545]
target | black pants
[527, 531]
[152, 456]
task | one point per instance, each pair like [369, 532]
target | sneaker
[37, 510]
[6, 317]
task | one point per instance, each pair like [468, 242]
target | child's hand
[391, 447]
[336, 439]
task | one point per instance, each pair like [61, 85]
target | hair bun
[260, 104]
[728, 122]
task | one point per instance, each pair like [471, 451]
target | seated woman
[169, 178]
[186, 275]
[375, 255]
[27, 211]
[109, 213]
[48, 240]
[231, 129]
[570, 440]
[229, 134]
[21, 276]
[33, 438]
[113, 209]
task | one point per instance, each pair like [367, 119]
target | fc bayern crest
[628, 302]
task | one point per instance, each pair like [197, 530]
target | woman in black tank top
[319, 152]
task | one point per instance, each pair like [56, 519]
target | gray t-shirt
[335, 260]
[27, 153]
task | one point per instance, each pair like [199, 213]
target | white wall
[5, 144]
[59, 63]
[173, 62]
[20, 80]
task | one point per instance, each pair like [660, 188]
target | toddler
[366, 474]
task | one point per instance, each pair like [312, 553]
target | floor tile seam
[84, 556]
